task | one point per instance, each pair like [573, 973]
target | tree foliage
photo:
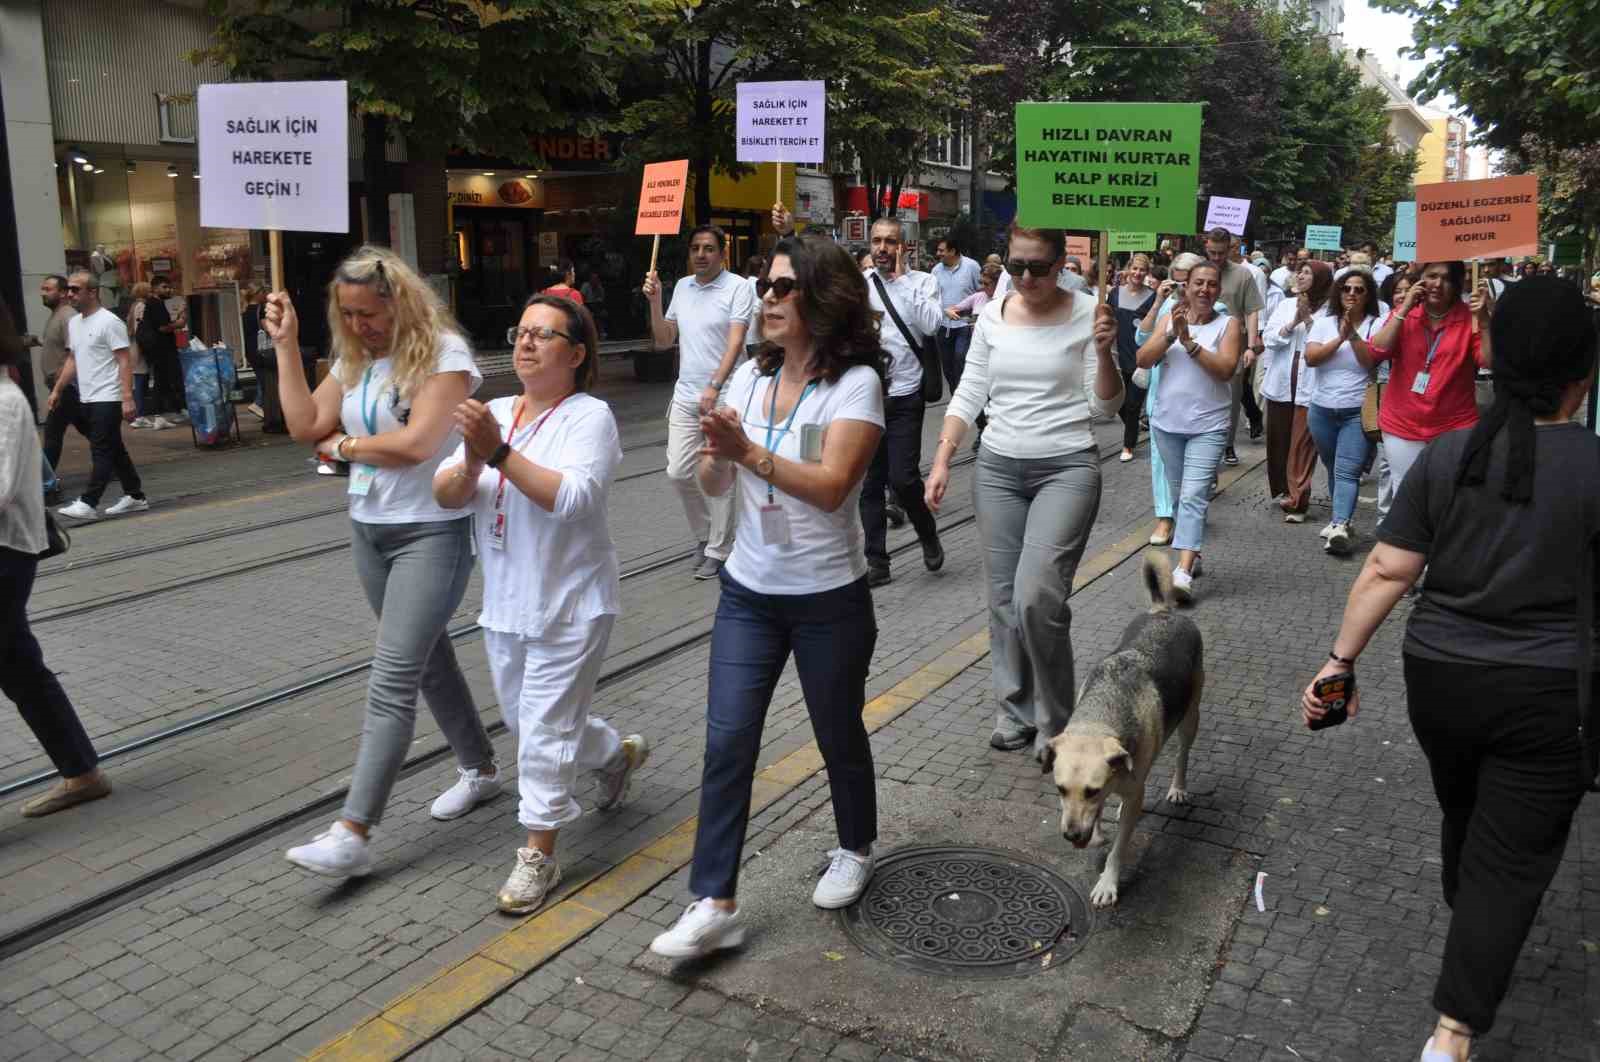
[1518, 69]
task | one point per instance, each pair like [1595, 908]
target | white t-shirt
[93, 341]
[402, 495]
[1192, 401]
[752, 335]
[825, 550]
[1280, 353]
[1340, 382]
[1037, 383]
[704, 313]
[558, 566]
[916, 297]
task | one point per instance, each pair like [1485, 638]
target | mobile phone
[1334, 691]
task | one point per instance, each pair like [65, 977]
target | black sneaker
[932, 555]
[896, 515]
[877, 574]
[1229, 457]
[1255, 431]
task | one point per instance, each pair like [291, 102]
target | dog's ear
[1119, 759]
[1047, 758]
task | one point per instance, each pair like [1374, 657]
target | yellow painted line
[457, 991]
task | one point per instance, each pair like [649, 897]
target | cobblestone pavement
[244, 956]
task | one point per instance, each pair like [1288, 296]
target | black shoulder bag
[927, 355]
[57, 540]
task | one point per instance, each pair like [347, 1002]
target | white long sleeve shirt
[916, 297]
[1279, 356]
[21, 474]
[1036, 383]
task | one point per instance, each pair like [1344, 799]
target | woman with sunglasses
[800, 426]
[1286, 385]
[535, 470]
[1042, 366]
[1339, 348]
[401, 367]
[1198, 349]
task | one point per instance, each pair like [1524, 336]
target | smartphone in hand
[1335, 692]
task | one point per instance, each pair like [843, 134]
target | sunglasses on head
[782, 287]
[1037, 267]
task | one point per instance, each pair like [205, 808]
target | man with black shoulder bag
[908, 302]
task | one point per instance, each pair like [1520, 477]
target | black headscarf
[1544, 339]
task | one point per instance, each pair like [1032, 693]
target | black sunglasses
[783, 287]
[1038, 267]
[1348, 290]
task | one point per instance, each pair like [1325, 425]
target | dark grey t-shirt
[1502, 578]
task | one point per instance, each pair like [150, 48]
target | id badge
[811, 442]
[497, 531]
[1419, 386]
[361, 477]
[774, 525]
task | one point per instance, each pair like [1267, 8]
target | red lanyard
[500, 488]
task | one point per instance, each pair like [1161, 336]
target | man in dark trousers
[158, 343]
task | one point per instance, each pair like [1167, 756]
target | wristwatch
[501, 452]
[764, 467]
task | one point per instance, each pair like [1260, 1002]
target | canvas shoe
[78, 510]
[844, 881]
[1182, 586]
[531, 880]
[1326, 531]
[1340, 540]
[128, 504]
[702, 929]
[470, 790]
[61, 797]
[709, 568]
[337, 852]
[613, 780]
[140, 422]
[161, 423]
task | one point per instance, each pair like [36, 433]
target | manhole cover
[967, 912]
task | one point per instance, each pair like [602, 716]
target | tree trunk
[702, 118]
[374, 176]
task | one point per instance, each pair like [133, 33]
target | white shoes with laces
[612, 781]
[128, 504]
[470, 790]
[531, 880]
[337, 852]
[844, 881]
[702, 929]
[78, 510]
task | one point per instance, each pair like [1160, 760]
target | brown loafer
[60, 798]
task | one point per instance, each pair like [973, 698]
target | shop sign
[275, 155]
[855, 229]
[477, 190]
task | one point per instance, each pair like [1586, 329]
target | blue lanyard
[369, 416]
[1433, 348]
[772, 415]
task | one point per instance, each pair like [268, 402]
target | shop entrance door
[499, 251]
[744, 235]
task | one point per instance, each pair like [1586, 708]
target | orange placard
[1497, 218]
[1081, 246]
[661, 198]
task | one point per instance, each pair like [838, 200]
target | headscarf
[1544, 339]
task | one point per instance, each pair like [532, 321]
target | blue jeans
[140, 379]
[1191, 464]
[1343, 448]
[1160, 490]
[831, 635]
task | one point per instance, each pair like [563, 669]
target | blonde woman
[401, 368]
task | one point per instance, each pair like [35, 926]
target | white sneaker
[700, 930]
[128, 504]
[1326, 531]
[613, 780]
[844, 881]
[1340, 540]
[530, 882]
[78, 510]
[139, 422]
[160, 423]
[470, 790]
[337, 852]
[1182, 585]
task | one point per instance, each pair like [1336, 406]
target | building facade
[1443, 154]
[1408, 124]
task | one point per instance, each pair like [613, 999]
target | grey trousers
[1034, 517]
[415, 576]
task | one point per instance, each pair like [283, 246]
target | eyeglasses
[541, 333]
[782, 287]
[1034, 266]
[1348, 290]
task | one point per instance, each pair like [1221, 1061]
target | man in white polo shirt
[97, 361]
[899, 458]
[708, 318]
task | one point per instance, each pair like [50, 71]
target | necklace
[1435, 316]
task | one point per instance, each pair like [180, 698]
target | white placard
[781, 121]
[275, 155]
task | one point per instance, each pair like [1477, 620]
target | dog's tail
[1158, 581]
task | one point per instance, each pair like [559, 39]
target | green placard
[1132, 241]
[1116, 167]
[1566, 252]
[1324, 237]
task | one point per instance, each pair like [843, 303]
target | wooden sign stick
[1105, 280]
[655, 249]
[275, 252]
[1474, 291]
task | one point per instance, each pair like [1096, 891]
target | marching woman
[1434, 357]
[1286, 384]
[1390, 292]
[1131, 301]
[801, 425]
[401, 368]
[1042, 363]
[1338, 348]
[535, 469]
[1198, 350]
[1167, 294]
